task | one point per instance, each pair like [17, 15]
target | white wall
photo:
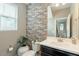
[75, 20]
[10, 37]
[51, 23]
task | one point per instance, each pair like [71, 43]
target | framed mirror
[63, 28]
[59, 21]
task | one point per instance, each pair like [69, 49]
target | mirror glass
[59, 20]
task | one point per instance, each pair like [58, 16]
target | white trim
[61, 18]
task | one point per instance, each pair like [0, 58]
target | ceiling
[54, 7]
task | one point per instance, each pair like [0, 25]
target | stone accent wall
[37, 21]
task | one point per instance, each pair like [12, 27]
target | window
[8, 17]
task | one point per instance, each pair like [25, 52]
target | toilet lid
[29, 53]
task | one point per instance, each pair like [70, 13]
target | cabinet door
[45, 54]
[47, 50]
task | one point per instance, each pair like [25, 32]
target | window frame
[16, 18]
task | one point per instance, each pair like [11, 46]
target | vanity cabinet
[48, 51]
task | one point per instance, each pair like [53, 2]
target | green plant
[23, 41]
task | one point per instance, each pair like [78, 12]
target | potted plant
[23, 41]
[23, 44]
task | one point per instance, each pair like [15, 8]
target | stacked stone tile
[37, 21]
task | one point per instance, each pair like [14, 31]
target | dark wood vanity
[48, 51]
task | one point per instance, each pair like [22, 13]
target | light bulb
[57, 4]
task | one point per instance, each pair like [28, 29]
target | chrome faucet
[60, 39]
[74, 40]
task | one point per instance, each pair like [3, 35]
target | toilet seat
[29, 53]
[22, 50]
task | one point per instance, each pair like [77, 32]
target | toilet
[29, 53]
[24, 51]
